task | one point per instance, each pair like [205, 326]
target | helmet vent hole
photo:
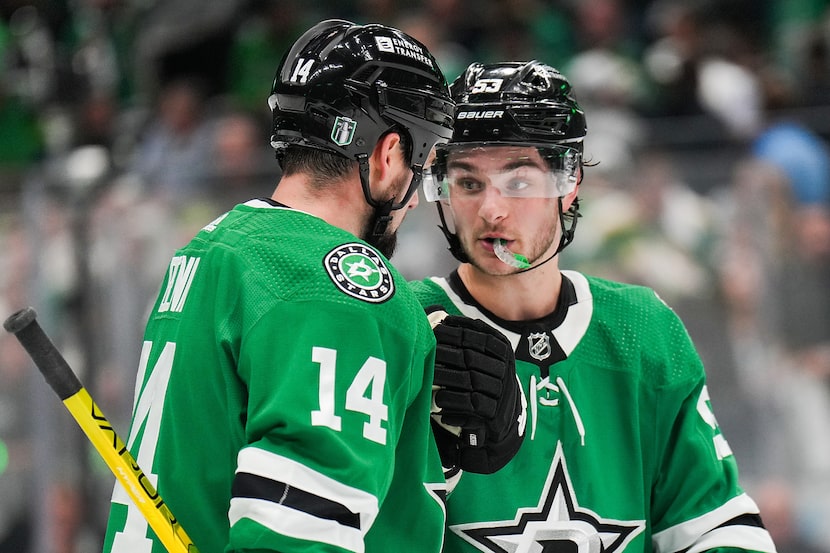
[538, 82]
[541, 121]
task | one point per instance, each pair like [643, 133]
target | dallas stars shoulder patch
[358, 271]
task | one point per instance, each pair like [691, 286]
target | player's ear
[386, 165]
[387, 155]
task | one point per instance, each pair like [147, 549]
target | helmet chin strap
[452, 239]
[382, 214]
[380, 221]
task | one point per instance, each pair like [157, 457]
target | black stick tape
[23, 324]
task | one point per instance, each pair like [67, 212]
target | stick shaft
[98, 430]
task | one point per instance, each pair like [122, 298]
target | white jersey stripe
[569, 333]
[296, 524]
[743, 537]
[687, 534]
[273, 515]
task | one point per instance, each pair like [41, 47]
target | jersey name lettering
[179, 278]
[210, 227]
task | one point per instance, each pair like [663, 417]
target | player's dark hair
[324, 167]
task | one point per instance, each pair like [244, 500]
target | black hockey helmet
[342, 86]
[523, 103]
[515, 104]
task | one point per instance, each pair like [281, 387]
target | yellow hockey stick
[76, 399]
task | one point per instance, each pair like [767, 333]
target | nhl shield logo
[342, 132]
[538, 345]
[359, 271]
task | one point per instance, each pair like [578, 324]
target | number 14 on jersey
[363, 395]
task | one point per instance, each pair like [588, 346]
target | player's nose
[493, 205]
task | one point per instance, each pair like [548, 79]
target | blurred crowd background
[127, 125]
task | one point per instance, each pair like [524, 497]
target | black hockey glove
[479, 410]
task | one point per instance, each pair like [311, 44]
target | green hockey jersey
[283, 395]
[622, 450]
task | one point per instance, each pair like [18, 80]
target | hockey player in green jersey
[285, 384]
[623, 452]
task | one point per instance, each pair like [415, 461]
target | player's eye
[467, 184]
[525, 182]
[517, 185]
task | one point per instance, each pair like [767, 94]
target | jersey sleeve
[429, 293]
[329, 387]
[697, 502]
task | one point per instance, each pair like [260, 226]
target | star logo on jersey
[359, 271]
[438, 492]
[557, 524]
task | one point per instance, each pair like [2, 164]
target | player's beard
[388, 241]
[385, 243]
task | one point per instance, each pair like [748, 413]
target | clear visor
[464, 172]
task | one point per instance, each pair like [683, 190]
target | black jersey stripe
[747, 519]
[252, 486]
